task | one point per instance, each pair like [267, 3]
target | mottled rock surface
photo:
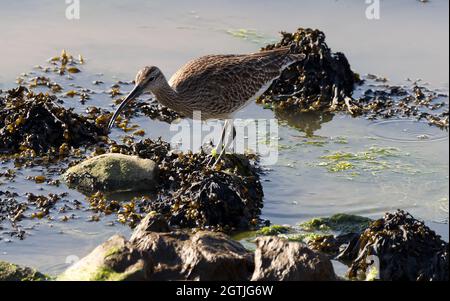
[160, 255]
[113, 173]
[114, 260]
[277, 259]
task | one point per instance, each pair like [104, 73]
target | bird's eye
[151, 79]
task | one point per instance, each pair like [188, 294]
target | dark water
[409, 41]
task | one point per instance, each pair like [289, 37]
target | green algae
[250, 35]
[341, 222]
[12, 272]
[108, 274]
[373, 160]
[273, 230]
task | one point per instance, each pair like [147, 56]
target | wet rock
[405, 247]
[174, 255]
[277, 259]
[153, 222]
[192, 195]
[113, 173]
[114, 260]
[201, 256]
[12, 272]
[34, 124]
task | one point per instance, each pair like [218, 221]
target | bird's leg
[228, 143]
[219, 146]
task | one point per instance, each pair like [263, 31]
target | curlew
[217, 86]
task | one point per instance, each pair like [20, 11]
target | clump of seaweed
[406, 249]
[191, 195]
[324, 82]
[34, 124]
[321, 80]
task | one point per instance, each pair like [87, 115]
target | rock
[113, 173]
[406, 250]
[209, 256]
[153, 222]
[163, 255]
[114, 260]
[12, 272]
[277, 259]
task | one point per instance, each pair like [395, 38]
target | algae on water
[374, 159]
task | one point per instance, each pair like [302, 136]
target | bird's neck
[170, 98]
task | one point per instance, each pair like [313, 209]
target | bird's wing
[237, 77]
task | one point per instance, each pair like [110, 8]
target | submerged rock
[113, 173]
[341, 222]
[277, 259]
[12, 272]
[405, 247]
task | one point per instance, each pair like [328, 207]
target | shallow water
[409, 41]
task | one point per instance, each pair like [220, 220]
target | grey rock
[201, 256]
[277, 259]
[114, 260]
[113, 173]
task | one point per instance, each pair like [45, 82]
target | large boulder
[113, 173]
[153, 253]
[114, 260]
[277, 259]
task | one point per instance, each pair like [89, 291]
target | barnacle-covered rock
[405, 247]
[113, 173]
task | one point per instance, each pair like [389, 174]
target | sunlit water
[410, 41]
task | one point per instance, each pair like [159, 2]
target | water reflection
[307, 122]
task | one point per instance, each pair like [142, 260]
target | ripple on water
[406, 131]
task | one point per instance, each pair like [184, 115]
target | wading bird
[217, 86]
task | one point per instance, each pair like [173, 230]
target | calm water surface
[409, 41]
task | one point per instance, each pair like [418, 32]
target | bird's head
[148, 79]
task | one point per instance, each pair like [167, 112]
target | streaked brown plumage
[216, 85]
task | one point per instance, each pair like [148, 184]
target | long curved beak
[132, 95]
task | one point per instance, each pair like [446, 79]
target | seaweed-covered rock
[405, 247]
[324, 82]
[37, 125]
[113, 173]
[12, 272]
[322, 79]
[277, 259]
[193, 195]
